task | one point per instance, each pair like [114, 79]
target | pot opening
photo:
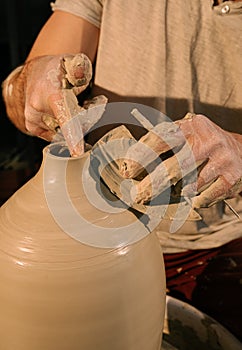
[59, 149]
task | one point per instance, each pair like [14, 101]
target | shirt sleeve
[90, 10]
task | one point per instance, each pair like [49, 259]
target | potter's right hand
[28, 89]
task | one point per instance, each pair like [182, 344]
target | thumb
[78, 72]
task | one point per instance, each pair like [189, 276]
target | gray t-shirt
[178, 57]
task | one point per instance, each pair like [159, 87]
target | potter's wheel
[186, 328]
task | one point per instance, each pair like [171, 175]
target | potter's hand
[31, 92]
[197, 143]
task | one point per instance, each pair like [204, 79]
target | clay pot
[62, 285]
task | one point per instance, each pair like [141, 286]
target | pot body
[58, 291]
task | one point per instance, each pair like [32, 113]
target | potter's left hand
[197, 144]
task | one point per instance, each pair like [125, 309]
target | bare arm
[64, 33]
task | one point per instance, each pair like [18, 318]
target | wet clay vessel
[76, 270]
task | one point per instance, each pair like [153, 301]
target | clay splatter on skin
[73, 119]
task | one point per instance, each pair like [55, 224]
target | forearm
[65, 33]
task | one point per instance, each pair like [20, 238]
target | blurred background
[20, 155]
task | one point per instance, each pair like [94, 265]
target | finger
[92, 112]
[168, 173]
[207, 184]
[64, 105]
[46, 135]
[138, 157]
[162, 138]
[51, 123]
[192, 189]
[41, 130]
[216, 192]
[78, 71]
[208, 174]
[95, 101]
[75, 122]
[200, 180]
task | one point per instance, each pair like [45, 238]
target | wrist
[14, 98]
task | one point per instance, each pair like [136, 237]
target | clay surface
[59, 293]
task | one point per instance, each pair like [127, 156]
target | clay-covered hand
[205, 158]
[31, 92]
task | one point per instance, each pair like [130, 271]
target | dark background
[20, 22]
[20, 155]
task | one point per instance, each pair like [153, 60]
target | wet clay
[57, 292]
